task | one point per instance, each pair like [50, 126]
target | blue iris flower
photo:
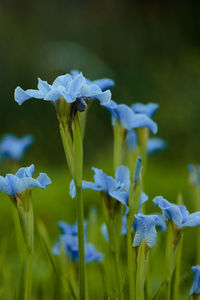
[69, 239]
[117, 188]
[194, 174]
[16, 184]
[69, 87]
[145, 230]
[177, 213]
[128, 118]
[13, 147]
[104, 83]
[153, 144]
[195, 290]
[148, 109]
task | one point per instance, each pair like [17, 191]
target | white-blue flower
[195, 290]
[16, 184]
[69, 87]
[13, 147]
[117, 188]
[130, 120]
[177, 213]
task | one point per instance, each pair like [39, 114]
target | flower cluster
[69, 239]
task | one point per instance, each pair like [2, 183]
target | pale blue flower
[71, 88]
[16, 184]
[116, 188]
[104, 83]
[69, 239]
[195, 290]
[148, 109]
[177, 213]
[155, 145]
[13, 147]
[194, 174]
[128, 118]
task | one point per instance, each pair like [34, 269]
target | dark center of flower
[81, 104]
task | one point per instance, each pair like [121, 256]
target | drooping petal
[21, 96]
[26, 183]
[192, 220]
[142, 120]
[43, 86]
[44, 180]
[4, 186]
[104, 83]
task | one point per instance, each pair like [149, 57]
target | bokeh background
[152, 51]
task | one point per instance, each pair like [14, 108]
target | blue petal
[21, 96]
[91, 254]
[160, 222]
[155, 145]
[64, 80]
[147, 109]
[26, 172]
[141, 120]
[25, 184]
[72, 189]
[143, 199]
[145, 229]
[43, 86]
[104, 83]
[122, 176]
[44, 180]
[195, 290]
[132, 140]
[192, 220]
[4, 186]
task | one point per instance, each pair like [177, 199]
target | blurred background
[152, 51]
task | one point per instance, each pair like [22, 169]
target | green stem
[28, 287]
[82, 282]
[119, 137]
[142, 259]
[176, 290]
[130, 263]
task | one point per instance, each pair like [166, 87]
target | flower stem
[176, 290]
[130, 263]
[28, 287]
[82, 282]
[142, 259]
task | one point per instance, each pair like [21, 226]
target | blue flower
[13, 147]
[148, 109]
[194, 174]
[69, 239]
[104, 83]
[128, 118]
[104, 231]
[116, 188]
[177, 213]
[195, 290]
[71, 88]
[155, 145]
[14, 185]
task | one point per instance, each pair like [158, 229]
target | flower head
[177, 213]
[104, 83]
[194, 174]
[128, 118]
[14, 185]
[116, 188]
[195, 290]
[148, 109]
[71, 88]
[13, 147]
[69, 239]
